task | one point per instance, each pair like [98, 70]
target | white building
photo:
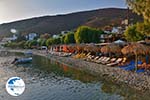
[31, 36]
[115, 30]
[9, 39]
[64, 32]
[55, 36]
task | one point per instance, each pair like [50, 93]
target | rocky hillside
[55, 24]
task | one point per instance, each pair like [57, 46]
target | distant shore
[137, 81]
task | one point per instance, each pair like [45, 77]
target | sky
[12, 10]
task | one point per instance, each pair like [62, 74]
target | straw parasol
[80, 47]
[92, 48]
[72, 46]
[112, 48]
[136, 49]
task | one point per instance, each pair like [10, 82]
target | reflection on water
[69, 83]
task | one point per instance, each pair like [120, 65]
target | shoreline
[136, 81]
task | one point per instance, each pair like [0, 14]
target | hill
[55, 24]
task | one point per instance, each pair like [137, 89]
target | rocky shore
[139, 81]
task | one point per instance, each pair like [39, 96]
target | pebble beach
[140, 82]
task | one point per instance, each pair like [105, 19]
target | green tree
[26, 45]
[69, 38]
[132, 34]
[62, 39]
[141, 7]
[41, 42]
[32, 43]
[52, 41]
[49, 41]
[56, 40]
[144, 28]
[21, 44]
[86, 34]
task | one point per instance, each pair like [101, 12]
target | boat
[28, 52]
[22, 60]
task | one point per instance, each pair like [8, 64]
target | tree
[86, 34]
[49, 42]
[45, 36]
[144, 28]
[32, 43]
[132, 34]
[62, 39]
[43, 42]
[69, 38]
[141, 7]
[56, 40]
[52, 41]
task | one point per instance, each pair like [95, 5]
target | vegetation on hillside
[84, 34]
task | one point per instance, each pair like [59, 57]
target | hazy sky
[11, 10]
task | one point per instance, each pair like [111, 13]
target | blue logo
[15, 86]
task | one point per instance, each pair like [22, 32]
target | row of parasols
[132, 48]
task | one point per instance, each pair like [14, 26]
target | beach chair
[103, 59]
[96, 58]
[99, 60]
[111, 61]
[123, 61]
[106, 60]
[88, 53]
[116, 62]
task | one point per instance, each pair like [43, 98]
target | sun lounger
[103, 59]
[106, 60]
[96, 58]
[116, 62]
[99, 60]
[111, 61]
[88, 54]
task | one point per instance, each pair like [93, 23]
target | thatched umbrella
[112, 48]
[136, 49]
[72, 46]
[92, 48]
[80, 47]
[105, 49]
